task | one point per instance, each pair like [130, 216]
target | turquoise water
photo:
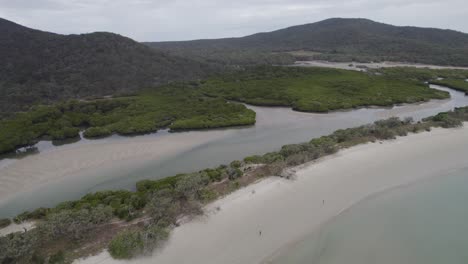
[423, 223]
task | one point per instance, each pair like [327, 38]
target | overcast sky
[156, 20]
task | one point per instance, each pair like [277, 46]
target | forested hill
[344, 39]
[39, 66]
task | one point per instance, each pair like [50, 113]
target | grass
[318, 89]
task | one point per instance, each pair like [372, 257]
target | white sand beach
[287, 210]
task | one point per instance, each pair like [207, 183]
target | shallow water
[275, 127]
[422, 223]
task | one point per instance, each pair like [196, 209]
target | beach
[256, 223]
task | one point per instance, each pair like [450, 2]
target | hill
[341, 39]
[43, 67]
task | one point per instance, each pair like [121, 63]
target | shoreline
[370, 65]
[70, 161]
[44, 179]
[340, 181]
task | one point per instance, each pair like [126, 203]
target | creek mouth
[59, 173]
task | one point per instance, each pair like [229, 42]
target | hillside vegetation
[341, 40]
[318, 89]
[42, 67]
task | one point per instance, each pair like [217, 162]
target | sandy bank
[372, 65]
[16, 228]
[285, 211]
[71, 161]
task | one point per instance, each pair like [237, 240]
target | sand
[69, 161]
[287, 210]
[13, 228]
[373, 65]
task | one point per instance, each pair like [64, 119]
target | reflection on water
[424, 223]
[275, 127]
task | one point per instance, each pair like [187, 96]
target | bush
[126, 244]
[188, 185]
[447, 121]
[236, 164]
[131, 243]
[74, 225]
[57, 258]
[94, 132]
[163, 207]
[272, 157]
[256, 159]
[214, 174]
[233, 173]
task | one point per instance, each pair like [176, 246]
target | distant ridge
[39, 66]
[344, 39]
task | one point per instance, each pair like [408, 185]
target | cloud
[156, 20]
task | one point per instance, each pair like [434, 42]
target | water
[275, 127]
[422, 223]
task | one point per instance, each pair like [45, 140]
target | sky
[156, 20]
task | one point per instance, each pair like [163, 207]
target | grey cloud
[154, 20]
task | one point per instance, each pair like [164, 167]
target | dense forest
[178, 107]
[42, 67]
[318, 89]
[340, 40]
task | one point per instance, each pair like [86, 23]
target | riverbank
[358, 66]
[284, 211]
[73, 162]
[58, 174]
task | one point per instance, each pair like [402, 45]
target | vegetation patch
[318, 89]
[457, 84]
[178, 107]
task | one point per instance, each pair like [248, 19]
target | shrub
[188, 185]
[94, 132]
[272, 157]
[447, 121]
[57, 258]
[236, 164]
[256, 159]
[126, 244]
[74, 224]
[233, 173]
[162, 206]
[214, 175]
[131, 243]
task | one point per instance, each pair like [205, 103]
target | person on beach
[260, 233]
